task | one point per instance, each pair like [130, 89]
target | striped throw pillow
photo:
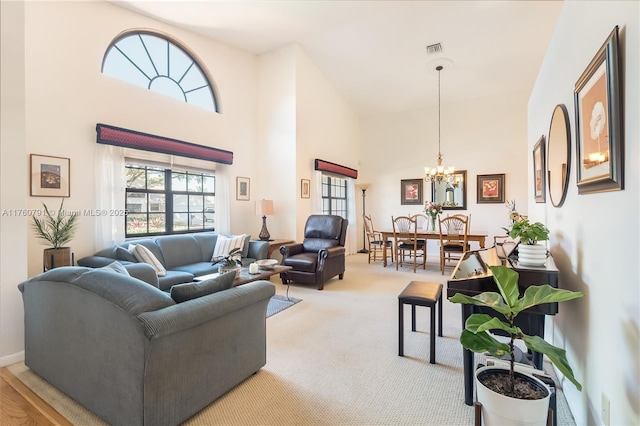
[225, 244]
[143, 254]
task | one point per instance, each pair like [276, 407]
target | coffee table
[246, 277]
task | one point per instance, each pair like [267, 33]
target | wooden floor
[20, 406]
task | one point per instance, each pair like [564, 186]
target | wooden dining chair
[406, 242]
[375, 242]
[454, 231]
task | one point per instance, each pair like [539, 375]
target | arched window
[159, 63]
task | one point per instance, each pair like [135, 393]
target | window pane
[136, 224]
[133, 48]
[135, 177]
[180, 221]
[157, 49]
[180, 203]
[209, 184]
[156, 223]
[155, 179]
[136, 202]
[196, 221]
[196, 203]
[178, 181]
[194, 183]
[156, 203]
[120, 67]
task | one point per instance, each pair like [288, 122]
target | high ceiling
[374, 52]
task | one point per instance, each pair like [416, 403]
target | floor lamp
[363, 187]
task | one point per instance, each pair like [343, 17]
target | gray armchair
[321, 255]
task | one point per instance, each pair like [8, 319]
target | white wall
[483, 136]
[595, 237]
[13, 185]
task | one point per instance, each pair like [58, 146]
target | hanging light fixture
[439, 173]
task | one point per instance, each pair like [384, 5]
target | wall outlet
[605, 410]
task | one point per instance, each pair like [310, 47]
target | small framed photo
[598, 103]
[243, 192]
[305, 188]
[411, 191]
[539, 170]
[490, 189]
[49, 176]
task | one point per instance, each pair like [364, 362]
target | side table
[275, 245]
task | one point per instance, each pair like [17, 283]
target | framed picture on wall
[598, 103]
[411, 191]
[490, 189]
[539, 170]
[50, 176]
[242, 188]
[305, 188]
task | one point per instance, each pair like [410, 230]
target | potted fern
[57, 230]
[530, 252]
[507, 396]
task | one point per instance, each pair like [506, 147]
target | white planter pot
[498, 409]
[532, 254]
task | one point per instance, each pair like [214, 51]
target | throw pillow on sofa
[116, 267]
[143, 254]
[124, 254]
[183, 292]
[225, 244]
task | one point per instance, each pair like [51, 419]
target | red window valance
[111, 135]
[326, 166]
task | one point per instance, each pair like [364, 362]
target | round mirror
[558, 155]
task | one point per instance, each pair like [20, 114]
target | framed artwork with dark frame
[243, 192]
[539, 171]
[599, 139]
[305, 188]
[411, 191]
[490, 189]
[50, 176]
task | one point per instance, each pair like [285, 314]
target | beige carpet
[332, 359]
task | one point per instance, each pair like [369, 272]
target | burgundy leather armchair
[320, 256]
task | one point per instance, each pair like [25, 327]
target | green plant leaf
[483, 342]
[56, 230]
[557, 356]
[482, 322]
[507, 281]
[489, 299]
[539, 294]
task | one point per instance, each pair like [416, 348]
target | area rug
[279, 303]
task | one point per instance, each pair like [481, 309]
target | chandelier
[439, 173]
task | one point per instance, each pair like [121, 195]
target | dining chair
[405, 234]
[422, 224]
[375, 242]
[454, 231]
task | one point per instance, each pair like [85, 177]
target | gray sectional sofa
[127, 351]
[184, 256]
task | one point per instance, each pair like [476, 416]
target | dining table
[425, 234]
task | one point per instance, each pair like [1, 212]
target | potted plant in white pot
[230, 262]
[502, 392]
[530, 251]
[56, 229]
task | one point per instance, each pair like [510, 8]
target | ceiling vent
[432, 49]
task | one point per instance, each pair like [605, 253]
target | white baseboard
[11, 359]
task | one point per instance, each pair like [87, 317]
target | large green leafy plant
[476, 336]
[57, 229]
[529, 233]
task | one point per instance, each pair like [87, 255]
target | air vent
[434, 48]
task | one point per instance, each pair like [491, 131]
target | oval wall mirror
[558, 155]
[451, 194]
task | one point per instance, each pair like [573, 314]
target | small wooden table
[246, 277]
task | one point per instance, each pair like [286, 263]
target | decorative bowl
[267, 263]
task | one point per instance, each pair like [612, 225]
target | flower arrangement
[432, 209]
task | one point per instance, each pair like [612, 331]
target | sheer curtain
[110, 196]
[222, 219]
